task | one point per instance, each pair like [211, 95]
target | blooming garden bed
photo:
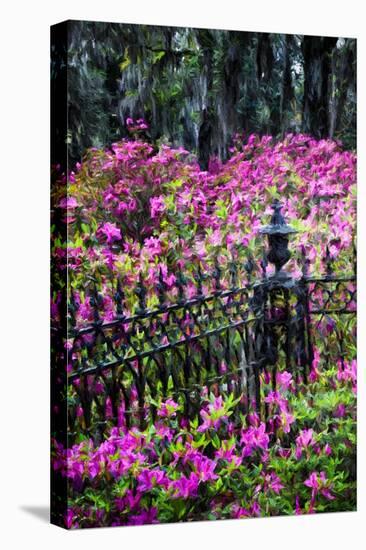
[138, 213]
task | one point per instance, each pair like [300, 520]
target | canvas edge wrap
[58, 116]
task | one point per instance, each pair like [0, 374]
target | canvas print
[203, 300]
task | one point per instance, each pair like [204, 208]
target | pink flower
[69, 202]
[153, 246]
[70, 517]
[298, 511]
[304, 441]
[255, 509]
[274, 483]
[215, 239]
[148, 479]
[168, 408]
[276, 398]
[347, 371]
[284, 379]
[314, 372]
[312, 481]
[327, 449]
[319, 483]
[157, 206]
[111, 232]
[286, 420]
[213, 414]
[164, 432]
[227, 452]
[270, 482]
[93, 468]
[185, 487]
[340, 411]
[145, 517]
[254, 438]
[204, 467]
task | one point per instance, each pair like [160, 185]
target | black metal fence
[222, 342]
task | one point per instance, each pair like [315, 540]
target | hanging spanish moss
[212, 83]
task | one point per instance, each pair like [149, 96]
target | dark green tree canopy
[197, 87]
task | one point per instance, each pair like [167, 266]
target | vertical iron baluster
[161, 287]
[217, 275]
[199, 280]
[71, 310]
[119, 299]
[95, 303]
[249, 267]
[141, 293]
[328, 263]
[180, 283]
[233, 271]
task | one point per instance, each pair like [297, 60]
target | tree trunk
[205, 40]
[287, 91]
[317, 71]
[346, 80]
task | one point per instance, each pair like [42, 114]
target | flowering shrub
[135, 212]
[176, 471]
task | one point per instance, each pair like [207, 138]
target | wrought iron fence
[223, 341]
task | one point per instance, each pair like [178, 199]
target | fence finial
[278, 232]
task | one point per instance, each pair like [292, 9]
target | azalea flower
[168, 408]
[157, 206]
[148, 479]
[69, 202]
[111, 232]
[319, 484]
[284, 379]
[254, 438]
[69, 519]
[213, 414]
[145, 517]
[304, 441]
[185, 487]
[204, 467]
[286, 419]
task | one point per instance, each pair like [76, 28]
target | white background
[24, 256]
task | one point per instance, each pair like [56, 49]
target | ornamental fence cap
[278, 225]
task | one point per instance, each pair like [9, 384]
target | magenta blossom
[111, 232]
[148, 479]
[185, 487]
[69, 202]
[157, 206]
[144, 517]
[304, 441]
[70, 517]
[213, 414]
[168, 408]
[254, 438]
[270, 481]
[204, 467]
[319, 484]
[284, 379]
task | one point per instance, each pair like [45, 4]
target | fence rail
[219, 342]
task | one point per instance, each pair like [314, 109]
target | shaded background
[198, 87]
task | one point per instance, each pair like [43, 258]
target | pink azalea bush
[211, 468]
[133, 209]
[135, 212]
